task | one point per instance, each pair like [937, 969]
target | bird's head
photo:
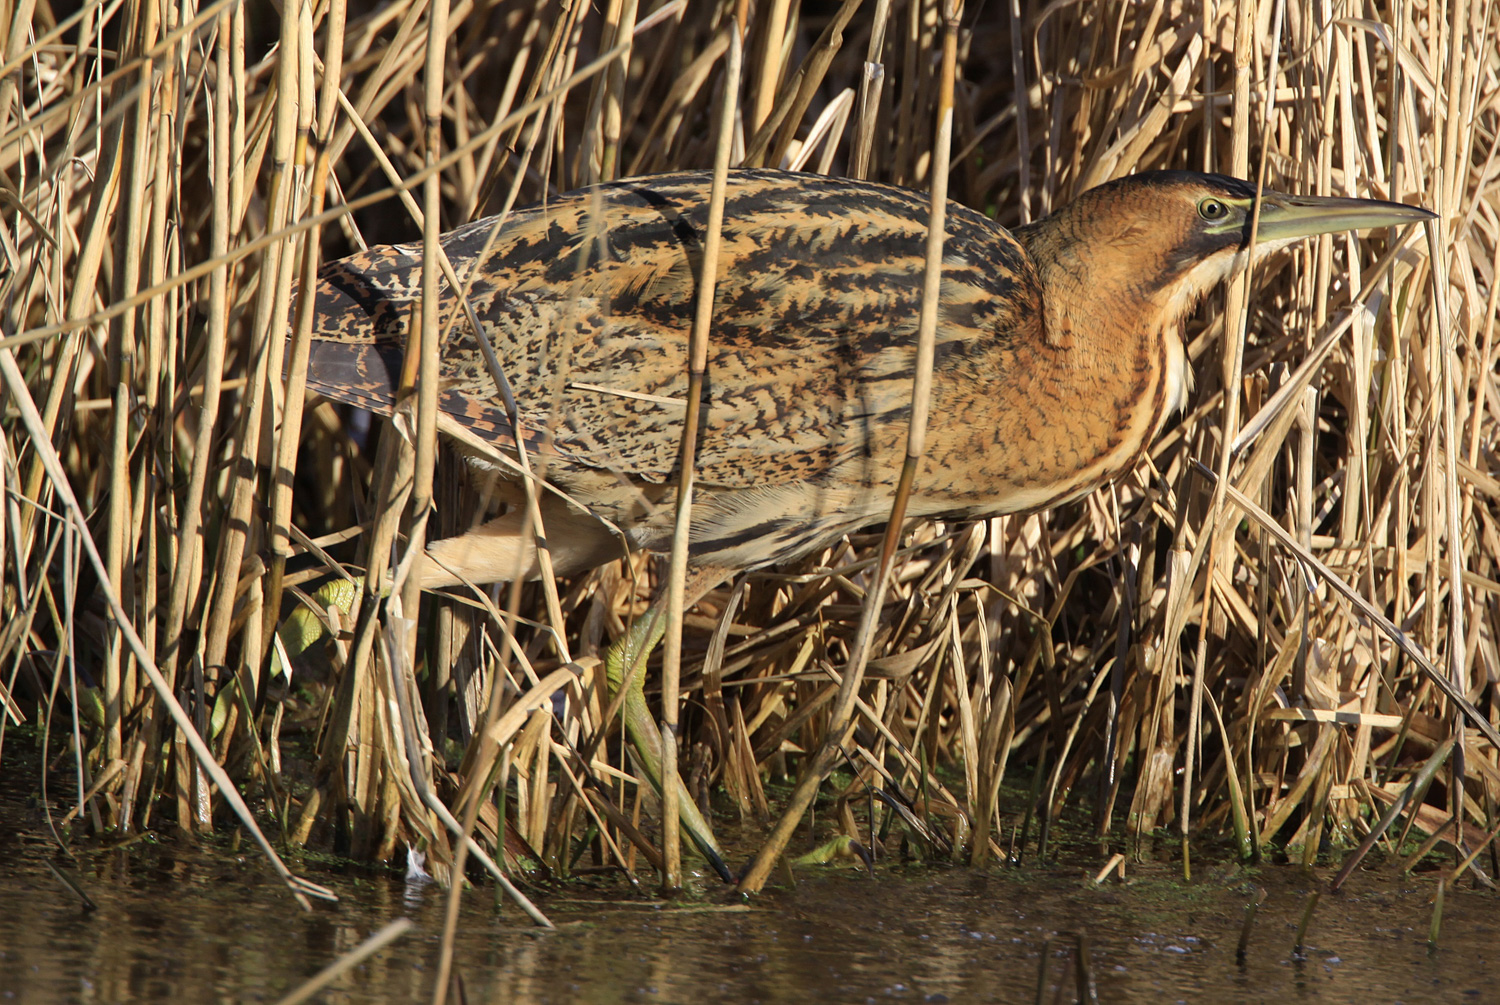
[1170, 236]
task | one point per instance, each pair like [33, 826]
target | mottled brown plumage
[1058, 354]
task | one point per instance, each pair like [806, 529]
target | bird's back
[588, 303]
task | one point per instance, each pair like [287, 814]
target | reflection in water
[178, 923]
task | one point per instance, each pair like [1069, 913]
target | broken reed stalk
[1417, 785]
[1397, 502]
[1300, 944]
[1247, 926]
[1435, 926]
[703, 315]
[423, 346]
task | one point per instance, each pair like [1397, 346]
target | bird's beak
[1289, 217]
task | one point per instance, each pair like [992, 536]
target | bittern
[1058, 356]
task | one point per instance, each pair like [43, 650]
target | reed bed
[1279, 627]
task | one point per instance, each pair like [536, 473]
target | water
[177, 921]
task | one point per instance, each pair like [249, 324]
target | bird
[1058, 359]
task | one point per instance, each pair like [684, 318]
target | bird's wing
[588, 303]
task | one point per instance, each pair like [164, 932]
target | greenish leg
[628, 653]
[302, 628]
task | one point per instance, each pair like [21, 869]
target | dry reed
[1266, 630]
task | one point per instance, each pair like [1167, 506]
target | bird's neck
[1111, 310]
[1099, 299]
[1112, 343]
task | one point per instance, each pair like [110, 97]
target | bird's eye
[1212, 209]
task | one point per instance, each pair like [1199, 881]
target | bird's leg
[624, 666]
[504, 547]
[624, 662]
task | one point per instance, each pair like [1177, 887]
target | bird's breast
[1072, 414]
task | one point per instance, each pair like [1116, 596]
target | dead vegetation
[1197, 648]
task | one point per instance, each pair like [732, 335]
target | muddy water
[179, 922]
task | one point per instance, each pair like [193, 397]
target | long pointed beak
[1289, 217]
